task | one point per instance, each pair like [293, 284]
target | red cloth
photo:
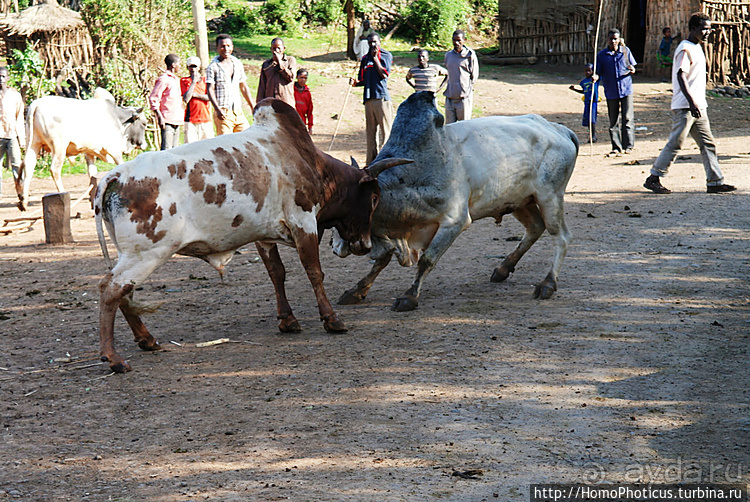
[197, 111]
[303, 103]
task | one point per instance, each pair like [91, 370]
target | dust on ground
[636, 370]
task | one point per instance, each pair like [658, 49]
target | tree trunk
[351, 29]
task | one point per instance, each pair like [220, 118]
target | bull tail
[99, 215]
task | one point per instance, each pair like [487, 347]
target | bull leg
[23, 178]
[554, 218]
[142, 336]
[92, 177]
[359, 292]
[269, 253]
[307, 247]
[439, 245]
[110, 297]
[55, 169]
[531, 218]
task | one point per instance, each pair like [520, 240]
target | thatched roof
[46, 17]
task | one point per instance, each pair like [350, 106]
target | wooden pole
[594, 84]
[343, 107]
[201, 33]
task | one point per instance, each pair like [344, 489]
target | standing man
[277, 75]
[12, 128]
[616, 66]
[225, 82]
[166, 103]
[373, 76]
[424, 76]
[689, 111]
[463, 72]
[197, 115]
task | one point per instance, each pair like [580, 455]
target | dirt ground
[635, 370]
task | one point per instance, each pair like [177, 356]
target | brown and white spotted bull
[268, 184]
[96, 127]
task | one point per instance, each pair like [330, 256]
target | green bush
[26, 73]
[436, 20]
[324, 12]
[282, 16]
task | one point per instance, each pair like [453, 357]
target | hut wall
[728, 47]
[564, 37]
[71, 49]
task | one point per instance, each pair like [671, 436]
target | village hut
[58, 34]
[563, 31]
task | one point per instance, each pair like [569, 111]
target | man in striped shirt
[425, 76]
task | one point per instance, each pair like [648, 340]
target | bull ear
[378, 167]
[139, 110]
[354, 163]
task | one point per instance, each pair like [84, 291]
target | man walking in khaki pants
[373, 76]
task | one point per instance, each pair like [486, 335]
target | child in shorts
[589, 87]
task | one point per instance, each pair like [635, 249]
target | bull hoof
[149, 345]
[500, 274]
[335, 326]
[544, 290]
[21, 206]
[119, 366]
[290, 325]
[405, 303]
[351, 297]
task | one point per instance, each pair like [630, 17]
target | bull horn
[378, 167]
[354, 163]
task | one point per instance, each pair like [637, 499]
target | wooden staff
[594, 84]
[341, 113]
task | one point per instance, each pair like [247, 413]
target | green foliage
[27, 74]
[282, 16]
[437, 19]
[485, 14]
[131, 38]
[324, 12]
[246, 19]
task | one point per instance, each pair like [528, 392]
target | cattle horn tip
[378, 167]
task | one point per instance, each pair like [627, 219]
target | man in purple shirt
[615, 66]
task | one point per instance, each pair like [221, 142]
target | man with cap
[197, 114]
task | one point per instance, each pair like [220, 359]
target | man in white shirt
[12, 128]
[689, 111]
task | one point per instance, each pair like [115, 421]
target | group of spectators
[176, 101]
[460, 73]
[615, 66]
[187, 100]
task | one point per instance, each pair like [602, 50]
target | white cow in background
[96, 127]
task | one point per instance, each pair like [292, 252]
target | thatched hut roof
[46, 17]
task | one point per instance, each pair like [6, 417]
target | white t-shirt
[689, 58]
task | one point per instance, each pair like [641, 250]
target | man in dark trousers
[373, 76]
[616, 66]
[689, 111]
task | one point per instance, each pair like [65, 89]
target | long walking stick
[594, 85]
[341, 113]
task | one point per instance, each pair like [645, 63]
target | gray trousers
[683, 123]
[378, 119]
[12, 151]
[458, 109]
[170, 136]
[621, 132]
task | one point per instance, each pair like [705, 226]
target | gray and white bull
[485, 167]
